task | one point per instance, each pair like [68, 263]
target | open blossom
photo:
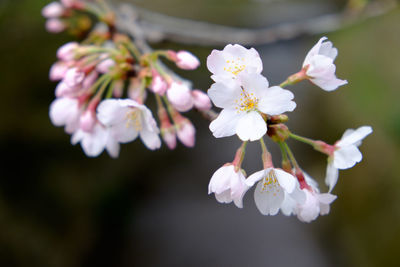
[243, 104]
[346, 153]
[228, 185]
[231, 61]
[127, 119]
[320, 66]
[274, 185]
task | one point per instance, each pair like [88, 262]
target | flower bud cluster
[251, 109]
[103, 86]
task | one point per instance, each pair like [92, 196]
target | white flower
[228, 185]
[127, 119]
[346, 153]
[321, 68]
[96, 140]
[314, 205]
[273, 187]
[180, 96]
[234, 59]
[66, 112]
[243, 102]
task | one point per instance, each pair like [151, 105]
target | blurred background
[60, 208]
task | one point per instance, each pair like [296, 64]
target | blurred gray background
[60, 208]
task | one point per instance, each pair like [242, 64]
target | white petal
[226, 123]
[253, 83]
[332, 175]
[150, 139]
[94, 143]
[61, 109]
[268, 202]
[223, 96]
[112, 147]
[328, 50]
[255, 177]
[353, 137]
[314, 51]
[286, 180]
[220, 181]
[346, 157]
[224, 197]
[326, 198]
[276, 101]
[251, 126]
[111, 112]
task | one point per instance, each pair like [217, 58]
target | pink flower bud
[58, 71]
[68, 3]
[62, 89]
[74, 77]
[55, 26]
[169, 137]
[87, 120]
[201, 100]
[158, 85]
[118, 89]
[186, 60]
[135, 90]
[105, 66]
[53, 10]
[180, 96]
[186, 133]
[67, 51]
[90, 80]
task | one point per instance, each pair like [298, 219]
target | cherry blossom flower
[233, 60]
[127, 119]
[186, 133]
[243, 104]
[346, 153]
[184, 59]
[320, 67]
[272, 188]
[228, 185]
[55, 25]
[67, 51]
[314, 205]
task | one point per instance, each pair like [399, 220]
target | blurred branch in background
[148, 26]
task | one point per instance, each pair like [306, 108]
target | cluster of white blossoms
[105, 80]
[104, 83]
[251, 109]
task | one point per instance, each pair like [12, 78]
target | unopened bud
[87, 121]
[74, 77]
[278, 119]
[180, 96]
[55, 25]
[184, 59]
[201, 100]
[105, 66]
[278, 132]
[53, 10]
[158, 84]
[169, 136]
[67, 51]
[186, 133]
[58, 71]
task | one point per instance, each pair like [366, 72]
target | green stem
[291, 156]
[104, 85]
[302, 139]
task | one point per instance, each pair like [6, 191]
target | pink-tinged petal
[276, 101]
[251, 126]
[332, 175]
[55, 25]
[326, 198]
[268, 201]
[58, 71]
[286, 180]
[67, 51]
[186, 60]
[186, 133]
[310, 210]
[224, 197]
[353, 137]
[124, 132]
[329, 84]
[225, 124]
[223, 96]
[74, 77]
[314, 51]
[346, 157]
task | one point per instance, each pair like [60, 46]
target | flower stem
[266, 156]
[319, 146]
[239, 157]
[302, 139]
[286, 165]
